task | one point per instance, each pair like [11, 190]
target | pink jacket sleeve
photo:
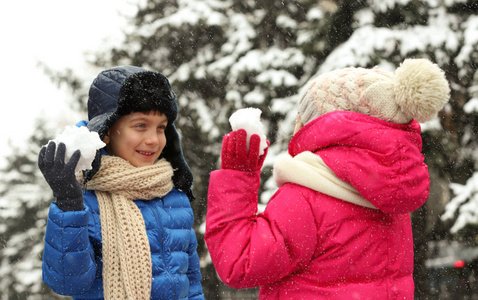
[250, 249]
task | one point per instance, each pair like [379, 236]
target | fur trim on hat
[145, 91]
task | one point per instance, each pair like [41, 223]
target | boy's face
[138, 138]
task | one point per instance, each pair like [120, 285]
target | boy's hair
[119, 91]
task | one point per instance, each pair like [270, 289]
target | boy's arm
[68, 259]
[194, 271]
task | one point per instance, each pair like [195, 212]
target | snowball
[249, 119]
[80, 138]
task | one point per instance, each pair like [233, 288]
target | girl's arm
[247, 249]
[250, 250]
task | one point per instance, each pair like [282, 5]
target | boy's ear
[106, 139]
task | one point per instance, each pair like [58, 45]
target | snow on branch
[465, 204]
[366, 41]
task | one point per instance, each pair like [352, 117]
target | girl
[338, 227]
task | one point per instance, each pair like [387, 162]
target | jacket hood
[382, 160]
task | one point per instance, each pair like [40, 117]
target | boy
[128, 234]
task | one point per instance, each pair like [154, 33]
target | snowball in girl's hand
[249, 119]
[80, 138]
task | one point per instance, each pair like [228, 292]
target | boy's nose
[152, 138]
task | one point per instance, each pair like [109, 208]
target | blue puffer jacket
[72, 260]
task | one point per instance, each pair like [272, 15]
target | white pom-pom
[80, 138]
[421, 89]
[249, 119]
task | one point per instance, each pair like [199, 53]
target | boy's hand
[234, 154]
[61, 177]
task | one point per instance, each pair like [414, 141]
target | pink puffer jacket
[309, 245]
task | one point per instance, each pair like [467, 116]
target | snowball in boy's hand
[80, 138]
[249, 119]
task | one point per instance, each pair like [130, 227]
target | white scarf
[309, 170]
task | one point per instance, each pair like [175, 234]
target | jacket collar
[381, 160]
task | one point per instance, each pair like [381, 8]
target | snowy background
[221, 56]
[59, 34]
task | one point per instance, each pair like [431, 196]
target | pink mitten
[234, 154]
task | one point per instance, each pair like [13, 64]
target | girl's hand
[234, 153]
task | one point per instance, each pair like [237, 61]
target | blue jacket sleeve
[68, 259]
[194, 270]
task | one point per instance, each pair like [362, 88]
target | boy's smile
[138, 138]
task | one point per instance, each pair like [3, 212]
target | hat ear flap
[421, 89]
[183, 177]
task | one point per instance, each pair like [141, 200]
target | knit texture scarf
[309, 170]
[127, 267]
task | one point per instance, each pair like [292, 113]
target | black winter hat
[119, 91]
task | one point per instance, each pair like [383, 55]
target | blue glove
[61, 177]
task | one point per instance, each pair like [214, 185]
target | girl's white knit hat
[417, 90]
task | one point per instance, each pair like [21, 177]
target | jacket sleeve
[250, 249]
[68, 259]
[194, 271]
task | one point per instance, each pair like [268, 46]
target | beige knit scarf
[127, 267]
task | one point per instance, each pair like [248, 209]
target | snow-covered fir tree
[224, 55]
[24, 202]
